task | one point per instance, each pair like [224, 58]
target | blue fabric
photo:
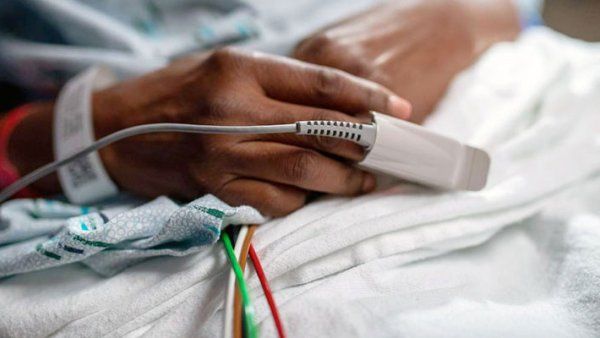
[40, 234]
[530, 13]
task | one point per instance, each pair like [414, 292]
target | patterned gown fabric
[39, 234]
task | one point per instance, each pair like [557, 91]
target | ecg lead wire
[250, 327]
[237, 302]
[264, 282]
[228, 309]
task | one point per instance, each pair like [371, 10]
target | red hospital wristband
[8, 172]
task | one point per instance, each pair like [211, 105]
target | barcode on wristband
[71, 125]
[83, 181]
[81, 172]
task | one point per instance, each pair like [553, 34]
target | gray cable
[139, 130]
[363, 134]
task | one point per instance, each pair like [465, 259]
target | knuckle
[324, 49]
[223, 58]
[225, 53]
[361, 67]
[301, 165]
[315, 47]
[375, 97]
[328, 83]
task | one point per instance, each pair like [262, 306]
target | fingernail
[369, 183]
[399, 107]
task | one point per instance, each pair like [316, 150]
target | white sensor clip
[409, 151]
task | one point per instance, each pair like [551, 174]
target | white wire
[230, 296]
[139, 130]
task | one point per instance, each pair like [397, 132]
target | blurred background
[576, 18]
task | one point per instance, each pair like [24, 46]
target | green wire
[250, 328]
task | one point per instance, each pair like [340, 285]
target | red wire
[265, 285]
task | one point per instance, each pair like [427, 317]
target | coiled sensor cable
[363, 134]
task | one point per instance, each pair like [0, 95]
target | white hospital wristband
[84, 180]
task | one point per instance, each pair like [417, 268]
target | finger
[271, 199]
[298, 82]
[299, 167]
[275, 112]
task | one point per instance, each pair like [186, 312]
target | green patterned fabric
[109, 241]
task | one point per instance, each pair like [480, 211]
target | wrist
[30, 145]
[105, 109]
[84, 180]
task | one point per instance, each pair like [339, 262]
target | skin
[412, 47]
[273, 173]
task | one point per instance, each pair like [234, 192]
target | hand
[273, 173]
[413, 47]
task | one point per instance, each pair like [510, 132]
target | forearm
[31, 143]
